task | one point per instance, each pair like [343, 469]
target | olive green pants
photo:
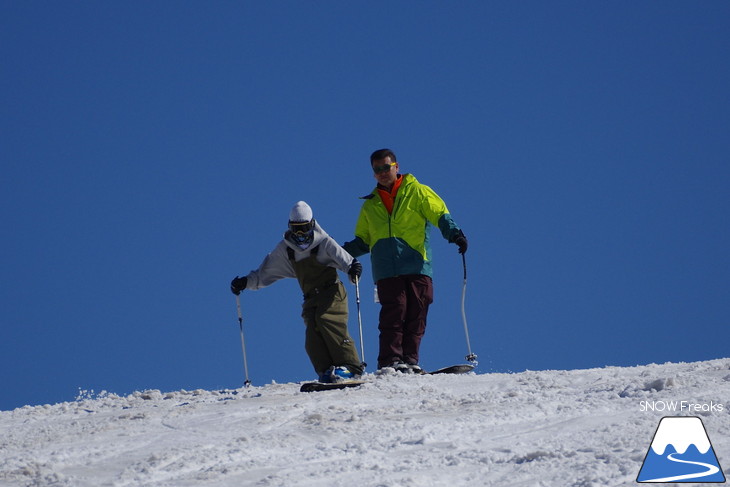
[327, 340]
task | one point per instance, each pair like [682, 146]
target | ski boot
[336, 374]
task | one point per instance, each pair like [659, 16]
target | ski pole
[471, 357]
[243, 341]
[359, 321]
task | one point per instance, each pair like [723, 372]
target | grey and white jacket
[276, 265]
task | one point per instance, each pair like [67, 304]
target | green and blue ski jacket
[398, 242]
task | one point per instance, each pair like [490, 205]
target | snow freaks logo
[681, 452]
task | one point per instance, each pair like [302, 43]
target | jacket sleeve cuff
[449, 229]
[356, 247]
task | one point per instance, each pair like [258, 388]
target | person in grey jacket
[310, 255]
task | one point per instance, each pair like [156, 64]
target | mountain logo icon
[681, 452]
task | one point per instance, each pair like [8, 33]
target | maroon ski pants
[404, 302]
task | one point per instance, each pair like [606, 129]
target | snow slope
[550, 428]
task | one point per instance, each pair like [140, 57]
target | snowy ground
[551, 428]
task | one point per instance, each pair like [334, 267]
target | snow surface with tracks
[537, 428]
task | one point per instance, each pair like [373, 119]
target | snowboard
[453, 369]
[328, 386]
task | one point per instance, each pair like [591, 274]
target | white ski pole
[359, 321]
[471, 357]
[243, 341]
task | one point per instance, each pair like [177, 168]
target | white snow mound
[569, 428]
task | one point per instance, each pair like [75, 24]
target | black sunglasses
[385, 168]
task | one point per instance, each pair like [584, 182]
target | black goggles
[301, 228]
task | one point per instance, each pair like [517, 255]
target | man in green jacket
[393, 227]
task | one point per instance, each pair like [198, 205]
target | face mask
[302, 233]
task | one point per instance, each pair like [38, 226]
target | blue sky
[151, 151]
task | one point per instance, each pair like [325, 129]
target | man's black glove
[238, 284]
[355, 270]
[461, 242]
